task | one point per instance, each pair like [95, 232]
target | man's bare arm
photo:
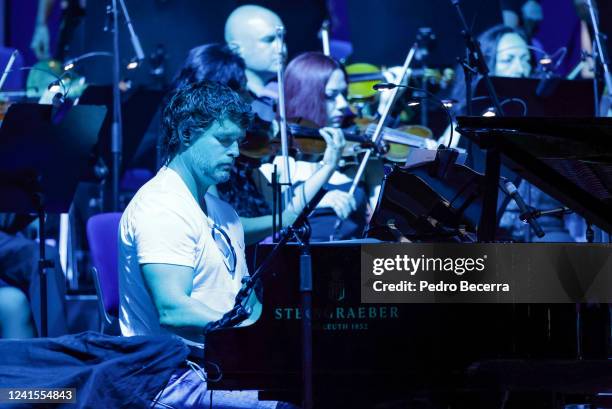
[170, 287]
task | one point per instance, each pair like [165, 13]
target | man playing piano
[181, 250]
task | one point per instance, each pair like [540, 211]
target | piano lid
[568, 158]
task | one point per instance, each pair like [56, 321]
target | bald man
[251, 32]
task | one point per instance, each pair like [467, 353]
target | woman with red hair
[315, 89]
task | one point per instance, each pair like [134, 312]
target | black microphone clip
[384, 85]
[526, 215]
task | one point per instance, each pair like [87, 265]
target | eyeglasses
[225, 246]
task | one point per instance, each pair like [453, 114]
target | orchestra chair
[102, 234]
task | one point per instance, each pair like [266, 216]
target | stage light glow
[489, 113]
[133, 64]
[546, 60]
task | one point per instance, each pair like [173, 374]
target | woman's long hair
[212, 62]
[305, 79]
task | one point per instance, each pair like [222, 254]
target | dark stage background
[381, 32]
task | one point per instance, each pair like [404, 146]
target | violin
[363, 76]
[307, 144]
[399, 142]
[260, 144]
[361, 95]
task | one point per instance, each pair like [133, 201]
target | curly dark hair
[196, 106]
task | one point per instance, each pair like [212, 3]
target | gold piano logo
[339, 312]
[341, 318]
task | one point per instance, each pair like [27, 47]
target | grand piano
[367, 353]
[374, 352]
[568, 158]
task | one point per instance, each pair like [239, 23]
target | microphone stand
[557, 211]
[600, 52]
[475, 63]
[299, 230]
[117, 122]
[425, 37]
[532, 214]
[276, 215]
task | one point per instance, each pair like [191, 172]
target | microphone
[526, 214]
[69, 64]
[384, 85]
[547, 65]
[136, 45]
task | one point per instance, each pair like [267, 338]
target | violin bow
[325, 37]
[280, 76]
[378, 131]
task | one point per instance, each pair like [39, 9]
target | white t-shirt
[164, 224]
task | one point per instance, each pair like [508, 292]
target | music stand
[43, 153]
[558, 98]
[419, 203]
[138, 109]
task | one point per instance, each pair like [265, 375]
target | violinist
[315, 88]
